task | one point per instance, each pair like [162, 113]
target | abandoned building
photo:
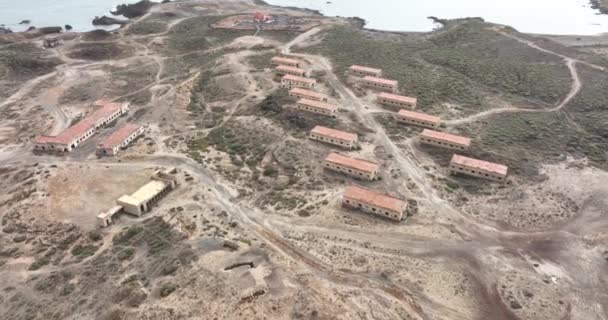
[354, 167]
[319, 107]
[381, 84]
[105, 219]
[444, 140]
[478, 168]
[362, 71]
[418, 119]
[336, 137]
[290, 81]
[374, 202]
[307, 94]
[395, 100]
[119, 139]
[83, 130]
[277, 61]
[51, 42]
[142, 200]
[283, 70]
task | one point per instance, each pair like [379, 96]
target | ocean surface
[44, 13]
[535, 16]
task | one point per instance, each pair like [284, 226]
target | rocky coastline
[601, 5]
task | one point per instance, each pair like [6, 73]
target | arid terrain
[255, 228]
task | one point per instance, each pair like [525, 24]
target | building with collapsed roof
[290, 81]
[119, 139]
[336, 137]
[358, 168]
[363, 71]
[478, 168]
[319, 107]
[307, 94]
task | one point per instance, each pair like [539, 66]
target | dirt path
[575, 88]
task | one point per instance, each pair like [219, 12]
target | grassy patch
[283, 201]
[196, 34]
[260, 61]
[98, 51]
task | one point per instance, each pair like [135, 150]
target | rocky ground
[255, 229]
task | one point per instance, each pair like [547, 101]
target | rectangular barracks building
[290, 81]
[277, 61]
[336, 137]
[374, 202]
[282, 70]
[418, 119]
[381, 83]
[362, 71]
[444, 140]
[73, 136]
[307, 94]
[354, 167]
[395, 100]
[319, 107]
[119, 139]
[478, 168]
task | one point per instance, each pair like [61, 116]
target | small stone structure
[358, 168]
[336, 137]
[374, 202]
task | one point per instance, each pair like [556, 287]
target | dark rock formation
[134, 10]
[31, 28]
[48, 30]
[598, 5]
[68, 27]
[97, 34]
[25, 22]
[4, 30]
[108, 21]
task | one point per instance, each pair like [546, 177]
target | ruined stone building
[478, 168]
[83, 130]
[336, 137]
[444, 140]
[381, 84]
[319, 107]
[119, 139]
[395, 100]
[354, 167]
[142, 200]
[290, 81]
[362, 71]
[307, 94]
[374, 202]
[283, 70]
[418, 119]
[277, 61]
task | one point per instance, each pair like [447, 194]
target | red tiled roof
[299, 79]
[365, 69]
[380, 80]
[318, 104]
[84, 125]
[281, 60]
[432, 134]
[480, 164]
[285, 68]
[118, 136]
[308, 93]
[396, 97]
[333, 133]
[419, 116]
[375, 198]
[354, 163]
